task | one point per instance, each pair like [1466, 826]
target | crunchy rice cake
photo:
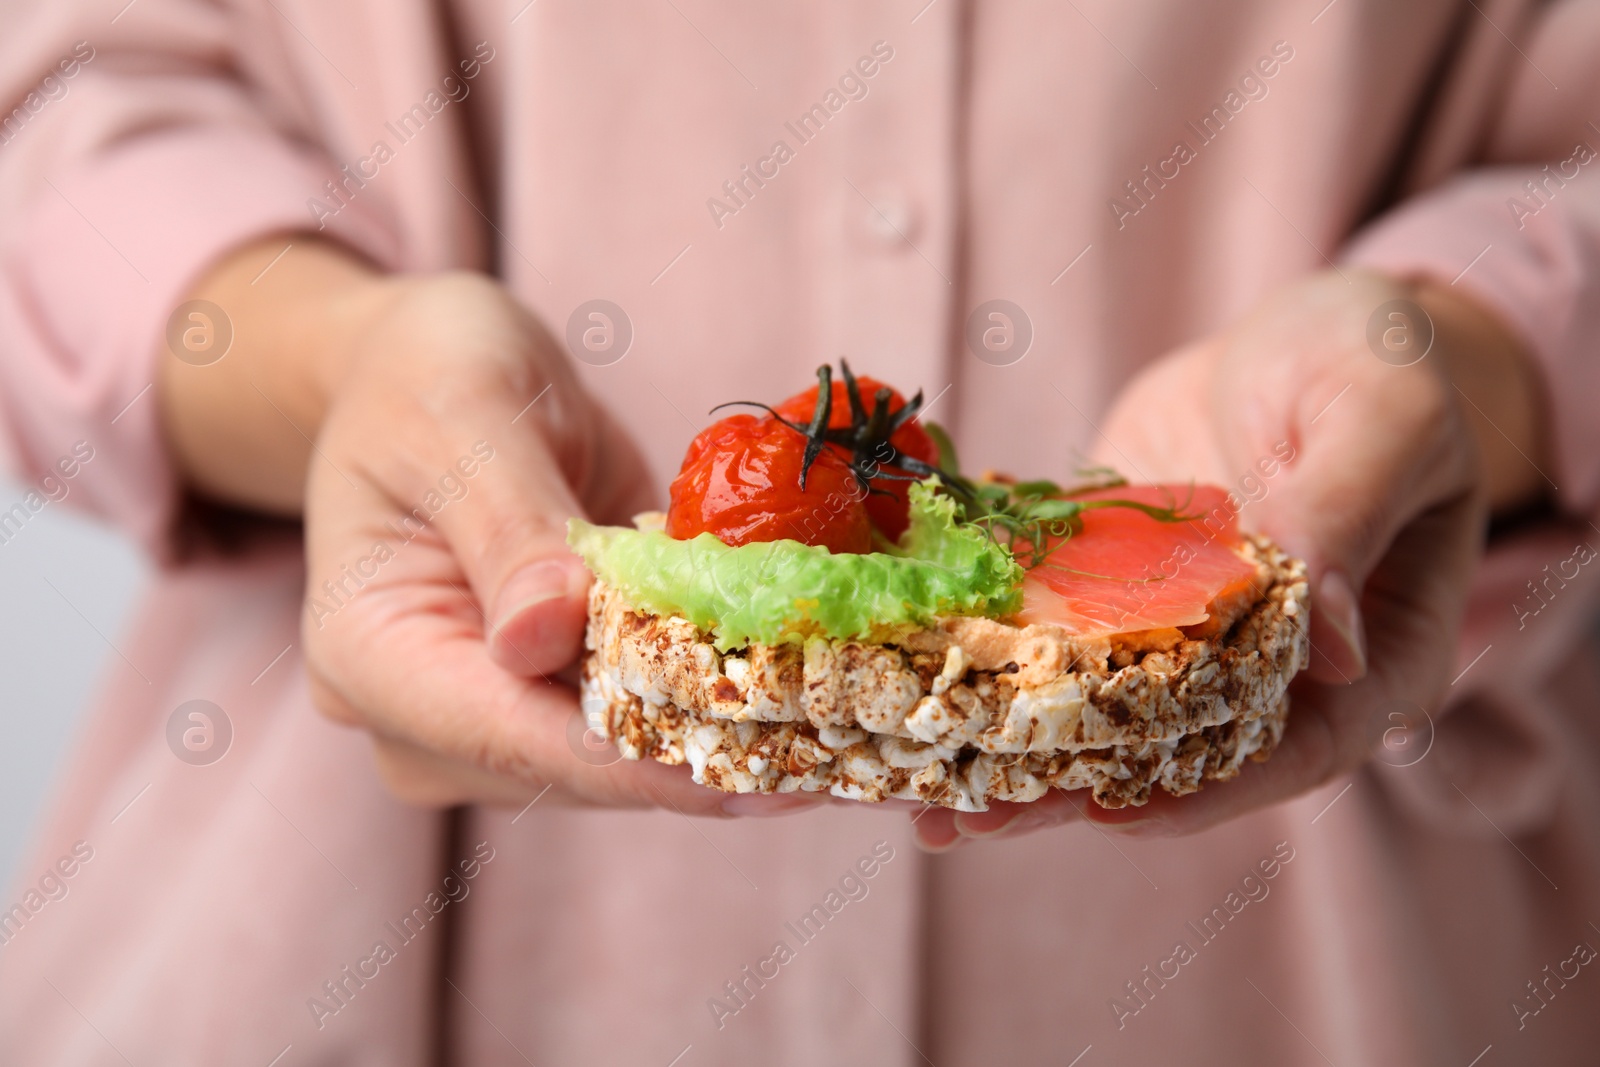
[959, 714]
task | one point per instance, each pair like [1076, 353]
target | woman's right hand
[443, 609]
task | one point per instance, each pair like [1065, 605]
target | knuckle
[1321, 752]
[329, 703]
[502, 753]
[411, 783]
[507, 536]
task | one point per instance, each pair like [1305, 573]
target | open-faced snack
[829, 604]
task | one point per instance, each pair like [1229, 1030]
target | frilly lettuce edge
[785, 591]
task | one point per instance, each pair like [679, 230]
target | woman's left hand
[1386, 499]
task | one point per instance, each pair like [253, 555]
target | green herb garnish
[866, 439]
[1031, 519]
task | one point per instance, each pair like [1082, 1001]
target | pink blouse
[759, 189]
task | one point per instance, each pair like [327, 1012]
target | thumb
[509, 535]
[536, 623]
[1349, 495]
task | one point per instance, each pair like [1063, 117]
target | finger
[1005, 819]
[424, 778]
[468, 730]
[1376, 462]
[976, 825]
[619, 484]
[934, 830]
[475, 470]
[769, 805]
[1175, 447]
[416, 775]
[405, 658]
[509, 535]
[413, 666]
[327, 700]
[1310, 754]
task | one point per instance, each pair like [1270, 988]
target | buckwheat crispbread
[965, 712]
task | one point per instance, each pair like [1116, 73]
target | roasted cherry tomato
[741, 482]
[888, 512]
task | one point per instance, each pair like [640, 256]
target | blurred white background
[51, 657]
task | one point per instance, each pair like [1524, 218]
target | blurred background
[66, 585]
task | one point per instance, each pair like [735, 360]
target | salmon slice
[1125, 571]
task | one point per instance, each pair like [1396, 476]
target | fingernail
[524, 640]
[975, 826]
[1135, 826]
[1130, 819]
[1022, 824]
[935, 848]
[765, 805]
[548, 579]
[1339, 607]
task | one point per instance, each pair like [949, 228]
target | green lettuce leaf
[782, 591]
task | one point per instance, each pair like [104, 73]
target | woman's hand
[1386, 499]
[452, 443]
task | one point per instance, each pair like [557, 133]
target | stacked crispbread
[964, 712]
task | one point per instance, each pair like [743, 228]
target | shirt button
[888, 220]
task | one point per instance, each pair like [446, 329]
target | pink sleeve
[1521, 232]
[119, 184]
[1543, 280]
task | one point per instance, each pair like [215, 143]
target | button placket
[897, 175]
